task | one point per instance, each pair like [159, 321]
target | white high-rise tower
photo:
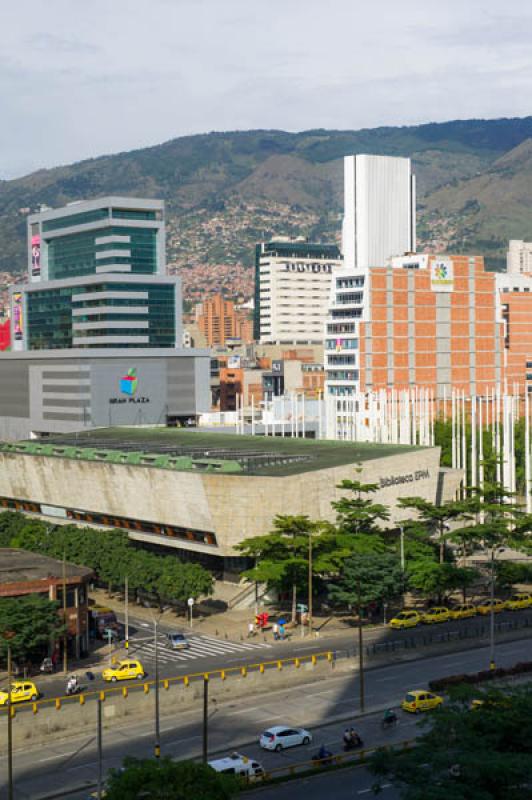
[379, 223]
[379, 210]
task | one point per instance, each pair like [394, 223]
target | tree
[165, 779]
[434, 579]
[435, 518]
[365, 580]
[484, 754]
[281, 557]
[35, 621]
[356, 513]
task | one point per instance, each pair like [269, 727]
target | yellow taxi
[405, 619]
[21, 692]
[485, 607]
[124, 670]
[436, 614]
[420, 700]
[463, 611]
[519, 600]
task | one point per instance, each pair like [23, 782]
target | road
[347, 784]
[325, 707]
[208, 653]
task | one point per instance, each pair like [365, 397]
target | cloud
[78, 80]
[50, 42]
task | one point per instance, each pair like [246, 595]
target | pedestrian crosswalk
[201, 646]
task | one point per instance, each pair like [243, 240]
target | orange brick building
[418, 336]
[436, 322]
[219, 320]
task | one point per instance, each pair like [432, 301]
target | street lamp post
[360, 651]
[65, 619]
[492, 610]
[126, 598]
[310, 583]
[402, 547]
[8, 635]
[157, 729]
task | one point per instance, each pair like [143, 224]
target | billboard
[233, 362]
[35, 255]
[442, 275]
[18, 319]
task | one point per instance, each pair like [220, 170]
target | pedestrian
[275, 628]
[251, 629]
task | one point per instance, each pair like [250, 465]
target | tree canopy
[484, 754]
[34, 620]
[112, 556]
[165, 779]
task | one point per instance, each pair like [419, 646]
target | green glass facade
[50, 319]
[74, 255]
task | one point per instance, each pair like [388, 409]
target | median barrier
[71, 715]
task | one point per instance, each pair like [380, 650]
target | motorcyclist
[72, 685]
[390, 717]
[347, 737]
[323, 752]
[356, 741]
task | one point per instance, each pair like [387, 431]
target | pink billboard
[18, 322]
[36, 255]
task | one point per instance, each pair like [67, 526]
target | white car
[237, 764]
[281, 736]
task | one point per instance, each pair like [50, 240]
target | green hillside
[225, 190]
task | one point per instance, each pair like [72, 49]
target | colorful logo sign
[129, 382]
[441, 275]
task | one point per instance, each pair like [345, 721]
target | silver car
[178, 641]
[281, 736]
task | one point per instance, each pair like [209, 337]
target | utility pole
[65, 620]
[100, 757]
[402, 548]
[157, 750]
[8, 635]
[310, 582]
[360, 652]
[205, 718]
[126, 597]
[492, 611]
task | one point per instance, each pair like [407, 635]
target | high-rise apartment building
[379, 210]
[97, 279]
[292, 288]
[219, 322]
[519, 257]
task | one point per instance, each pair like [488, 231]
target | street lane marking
[367, 791]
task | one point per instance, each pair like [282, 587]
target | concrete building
[514, 312]
[519, 257]
[97, 333]
[379, 210]
[201, 494]
[220, 322]
[23, 573]
[292, 287]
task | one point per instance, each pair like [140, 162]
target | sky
[81, 79]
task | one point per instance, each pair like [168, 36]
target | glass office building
[97, 279]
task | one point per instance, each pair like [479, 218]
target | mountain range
[225, 191]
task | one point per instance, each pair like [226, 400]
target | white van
[237, 764]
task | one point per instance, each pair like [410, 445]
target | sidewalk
[224, 624]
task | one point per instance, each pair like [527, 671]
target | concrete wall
[73, 718]
[231, 506]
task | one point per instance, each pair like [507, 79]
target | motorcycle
[353, 744]
[323, 758]
[47, 666]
